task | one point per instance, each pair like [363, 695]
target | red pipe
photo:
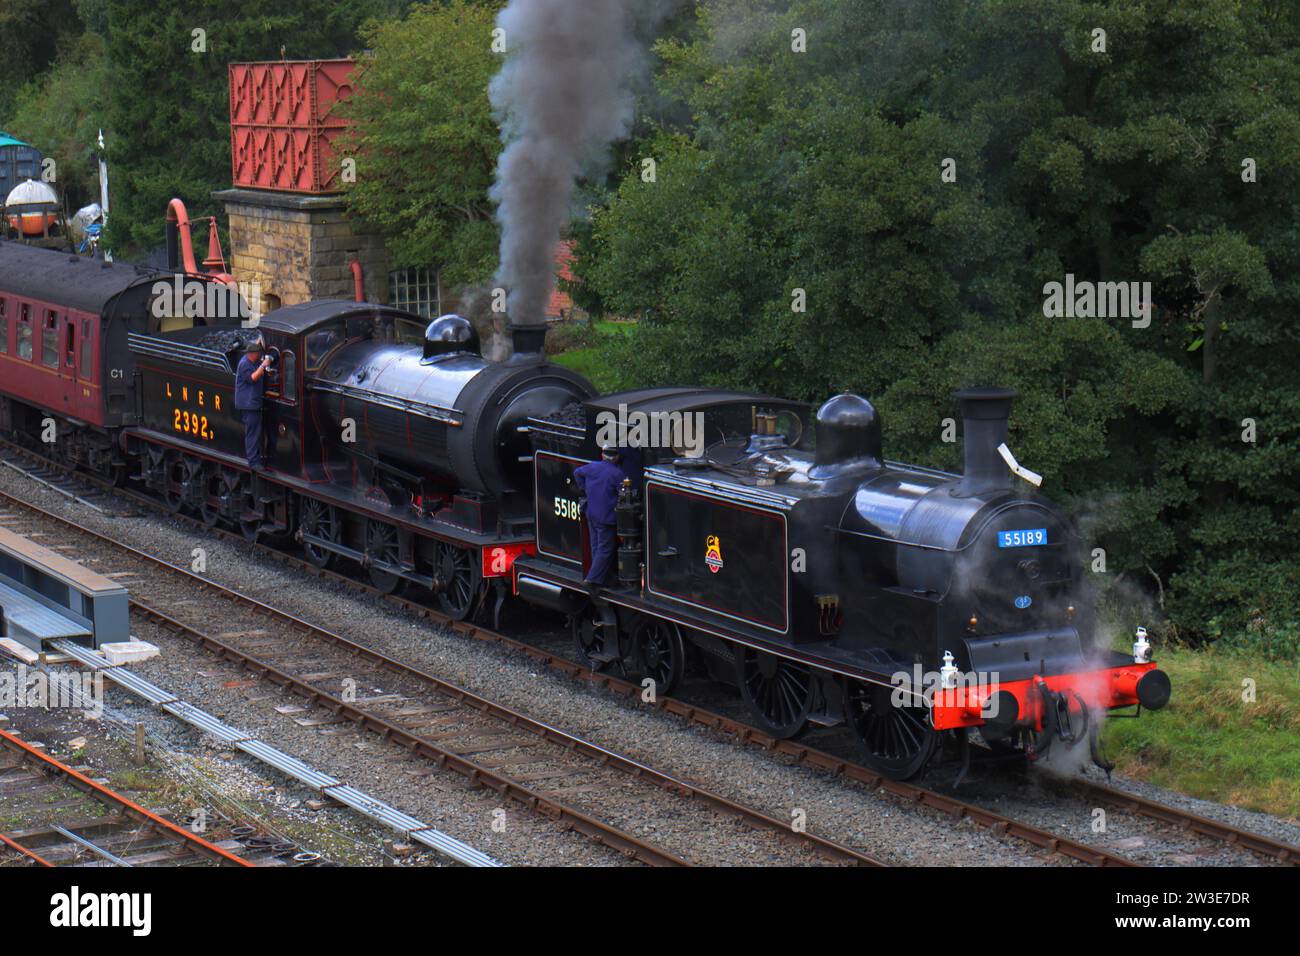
[358, 282]
[177, 216]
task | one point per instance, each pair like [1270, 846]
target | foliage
[169, 115]
[426, 141]
[62, 112]
[821, 171]
[32, 32]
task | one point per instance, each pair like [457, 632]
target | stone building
[299, 247]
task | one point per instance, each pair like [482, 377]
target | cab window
[320, 343]
[288, 377]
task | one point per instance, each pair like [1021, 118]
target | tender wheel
[898, 741]
[193, 489]
[173, 493]
[320, 520]
[382, 547]
[659, 652]
[455, 580]
[778, 691]
[229, 503]
[210, 501]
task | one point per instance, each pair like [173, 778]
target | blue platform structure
[47, 597]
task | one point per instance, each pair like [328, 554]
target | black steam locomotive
[769, 545]
[786, 555]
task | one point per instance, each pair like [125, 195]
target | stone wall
[298, 247]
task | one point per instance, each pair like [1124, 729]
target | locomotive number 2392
[191, 423]
[567, 508]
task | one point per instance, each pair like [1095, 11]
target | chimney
[528, 341]
[984, 413]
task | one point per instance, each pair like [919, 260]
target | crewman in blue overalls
[600, 482]
[250, 383]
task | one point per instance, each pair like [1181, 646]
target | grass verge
[1212, 741]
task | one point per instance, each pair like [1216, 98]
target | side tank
[442, 412]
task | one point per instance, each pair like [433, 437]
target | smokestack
[528, 341]
[984, 413]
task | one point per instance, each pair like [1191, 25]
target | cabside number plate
[1022, 539]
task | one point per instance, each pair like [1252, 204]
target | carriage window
[50, 341]
[319, 344]
[71, 356]
[24, 333]
[87, 354]
[4, 329]
[288, 377]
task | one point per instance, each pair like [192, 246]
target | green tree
[425, 138]
[1114, 155]
[62, 112]
[168, 126]
[32, 32]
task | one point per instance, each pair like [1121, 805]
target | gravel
[834, 808]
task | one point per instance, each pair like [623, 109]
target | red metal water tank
[283, 123]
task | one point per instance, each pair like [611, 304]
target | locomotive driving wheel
[659, 652]
[382, 547]
[595, 639]
[778, 691]
[898, 740]
[455, 580]
[319, 520]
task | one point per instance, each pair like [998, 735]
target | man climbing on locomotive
[250, 384]
[600, 482]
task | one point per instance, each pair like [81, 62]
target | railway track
[910, 793]
[62, 830]
[531, 763]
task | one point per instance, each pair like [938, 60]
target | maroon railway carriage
[66, 374]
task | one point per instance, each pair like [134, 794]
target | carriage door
[74, 382]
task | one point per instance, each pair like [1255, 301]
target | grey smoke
[562, 96]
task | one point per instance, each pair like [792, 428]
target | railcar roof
[681, 399]
[306, 315]
[70, 280]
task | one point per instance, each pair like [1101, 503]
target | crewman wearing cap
[250, 383]
[600, 481]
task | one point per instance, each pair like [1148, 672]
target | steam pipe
[358, 280]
